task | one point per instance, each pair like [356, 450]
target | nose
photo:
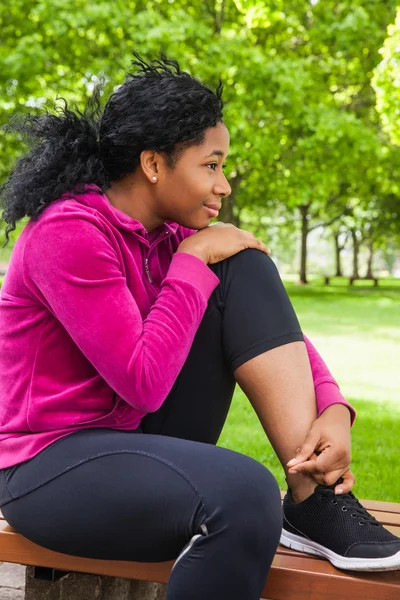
[222, 187]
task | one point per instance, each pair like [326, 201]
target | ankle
[301, 487]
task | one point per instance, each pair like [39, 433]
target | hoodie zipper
[146, 266]
[146, 261]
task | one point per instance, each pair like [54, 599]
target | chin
[200, 223]
[203, 225]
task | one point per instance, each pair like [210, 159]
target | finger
[308, 467]
[329, 478]
[347, 484]
[255, 243]
[261, 246]
[327, 474]
[305, 451]
[323, 464]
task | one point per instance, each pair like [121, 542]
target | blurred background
[312, 102]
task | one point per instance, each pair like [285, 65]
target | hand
[326, 451]
[219, 241]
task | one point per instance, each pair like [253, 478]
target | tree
[386, 82]
[299, 104]
[340, 238]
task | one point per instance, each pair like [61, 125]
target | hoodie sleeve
[327, 391]
[72, 266]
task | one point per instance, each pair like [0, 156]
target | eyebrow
[215, 153]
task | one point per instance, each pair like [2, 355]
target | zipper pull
[146, 266]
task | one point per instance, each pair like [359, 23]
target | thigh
[127, 496]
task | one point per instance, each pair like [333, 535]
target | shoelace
[348, 502]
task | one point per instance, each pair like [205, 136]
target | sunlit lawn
[357, 331]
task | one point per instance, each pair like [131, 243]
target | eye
[213, 166]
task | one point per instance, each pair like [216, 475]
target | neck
[133, 198]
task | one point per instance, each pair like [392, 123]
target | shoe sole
[296, 542]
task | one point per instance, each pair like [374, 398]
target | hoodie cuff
[328, 393]
[193, 270]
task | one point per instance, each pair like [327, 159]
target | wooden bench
[293, 576]
[352, 280]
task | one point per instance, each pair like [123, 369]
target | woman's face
[191, 193]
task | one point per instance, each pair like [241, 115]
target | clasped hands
[325, 454]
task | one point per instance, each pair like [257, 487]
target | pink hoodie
[86, 339]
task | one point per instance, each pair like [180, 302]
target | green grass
[357, 331]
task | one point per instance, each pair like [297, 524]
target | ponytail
[64, 156]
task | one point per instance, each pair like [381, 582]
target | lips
[212, 209]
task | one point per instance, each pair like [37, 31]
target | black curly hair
[158, 107]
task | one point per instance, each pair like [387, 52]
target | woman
[125, 322]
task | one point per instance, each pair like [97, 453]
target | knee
[248, 268]
[254, 260]
[251, 510]
[259, 496]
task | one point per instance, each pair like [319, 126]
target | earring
[154, 178]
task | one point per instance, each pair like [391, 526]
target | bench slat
[301, 577]
[386, 518]
[390, 507]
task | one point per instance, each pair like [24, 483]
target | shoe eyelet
[354, 516]
[361, 523]
[344, 509]
[334, 502]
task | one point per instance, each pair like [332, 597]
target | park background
[312, 102]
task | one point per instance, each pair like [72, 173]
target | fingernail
[293, 471]
[291, 462]
[340, 491]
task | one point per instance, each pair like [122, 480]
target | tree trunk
[304, 234]
[338, 249]
[356, 249]
[226, 214]
[390, 258]
[370, 274]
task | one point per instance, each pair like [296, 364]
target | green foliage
[387, 82]
[297, 74]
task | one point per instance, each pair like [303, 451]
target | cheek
[189, 190]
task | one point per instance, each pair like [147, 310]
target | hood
[95, 199]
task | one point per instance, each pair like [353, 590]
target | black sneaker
[338, 528]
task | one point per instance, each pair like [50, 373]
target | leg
[127, 496]
[276, 377]
[259, 328]
[286, 409]
[250, 332]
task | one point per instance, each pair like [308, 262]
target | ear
[152, 165]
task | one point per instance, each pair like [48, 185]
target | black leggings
[165, 490]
